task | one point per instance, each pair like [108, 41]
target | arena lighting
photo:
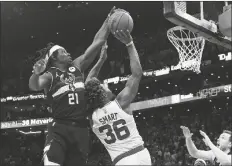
[144, 118]
[30, 132]
[225, 57]
[147, 87]
[189, 79]
[169, 83]
[21, 98]
[219, 77]
[57, 33]
[210, 101]
[59, 6]
[170, 108]
[212, 74]
[175, 85]
[141, 105]
[138, 93]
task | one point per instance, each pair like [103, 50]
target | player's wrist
[130, 43]
[188, 138]
[210, 144]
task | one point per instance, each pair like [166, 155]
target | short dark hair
[228, 132]
[95, 95]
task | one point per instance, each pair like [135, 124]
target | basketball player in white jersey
[220, 155]
[112, 123]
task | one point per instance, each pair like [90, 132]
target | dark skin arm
[97, 67]
[127, 95]
[90, 54]
[39, 82]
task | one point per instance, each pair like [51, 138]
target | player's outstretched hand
[110, 13]
[205, 138]
[103, 54]
[124, 36]
[39, 66]
[186, 132]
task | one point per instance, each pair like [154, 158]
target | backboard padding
[203, 27]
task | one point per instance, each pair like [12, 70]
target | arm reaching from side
[90, 54]
[193, 151]
[97, 67]
[221, 156]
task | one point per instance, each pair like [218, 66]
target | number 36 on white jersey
[116, 129]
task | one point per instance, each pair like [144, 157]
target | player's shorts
[66, 144]
[137, 156]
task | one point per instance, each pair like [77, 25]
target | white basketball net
[189, 46]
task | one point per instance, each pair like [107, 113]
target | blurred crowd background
[159, 127]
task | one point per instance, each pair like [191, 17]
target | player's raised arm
[126, 96]
[193, 151]
[97, 67]
[221, 156]
[39, 82]
[100, 38]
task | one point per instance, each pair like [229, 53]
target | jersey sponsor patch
[68, 78]
[72, 69]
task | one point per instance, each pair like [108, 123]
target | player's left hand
[206, 138]
[123, 35]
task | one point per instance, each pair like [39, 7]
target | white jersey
[116, 129]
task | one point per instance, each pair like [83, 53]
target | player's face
[224, 141]
[63, 57]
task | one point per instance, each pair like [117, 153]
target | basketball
[121, 20]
